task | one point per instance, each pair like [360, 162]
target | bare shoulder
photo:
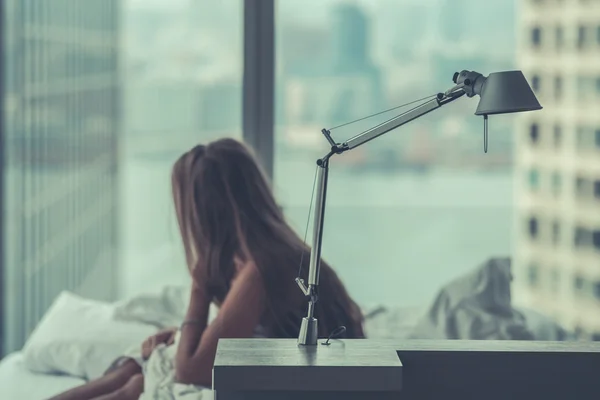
[247, 271]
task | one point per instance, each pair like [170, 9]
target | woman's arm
[238, 317]
[197, 318]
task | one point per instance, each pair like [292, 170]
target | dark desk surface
[280, 364]
[418, 369]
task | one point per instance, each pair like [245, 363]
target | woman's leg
[109, 383]
[130, 391]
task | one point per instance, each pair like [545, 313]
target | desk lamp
[500, 93]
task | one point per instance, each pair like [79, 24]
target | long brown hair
[226, 209]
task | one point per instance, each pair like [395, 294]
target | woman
[244, 257]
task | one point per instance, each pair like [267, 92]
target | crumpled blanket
[159, 376]
[476, 306]
[165, 309]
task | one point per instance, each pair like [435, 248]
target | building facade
[557, 260]
[60, 129]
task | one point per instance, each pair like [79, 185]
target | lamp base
[308, 332]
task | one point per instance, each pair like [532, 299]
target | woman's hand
[165, 336]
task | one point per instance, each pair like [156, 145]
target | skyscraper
[350, 39]
[60, 132]
[557, 263]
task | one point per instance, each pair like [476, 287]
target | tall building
[557, 260]
[60, 129]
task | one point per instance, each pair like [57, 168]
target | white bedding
[18, 383]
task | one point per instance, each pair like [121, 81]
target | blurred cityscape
[328, 74]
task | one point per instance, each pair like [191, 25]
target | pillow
[80, 337]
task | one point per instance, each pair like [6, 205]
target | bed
[17, 382]
[55, 359]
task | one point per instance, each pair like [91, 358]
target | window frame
[258, 87]
[2, 169]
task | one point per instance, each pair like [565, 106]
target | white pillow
[80, 337]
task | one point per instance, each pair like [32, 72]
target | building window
[534, 179]
[555, 283]
[556, 183]
[598, 35]
[558, 87]
[597, 293]
[581, 36]
[580, 137]
[559, 37]
[583, 87]
[536, 36]
[557, 135]
[597, 189]
[533, 274]
[580, 186]
[597, 138]
[598, 85]
[579, 283]
[533, 228]
[555, 232]
[596, 239]
[534, 133]
[582, 237]
[535, 83]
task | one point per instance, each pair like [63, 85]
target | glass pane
[99, 99]
[183, 89]
[421, 208]
[60, 135]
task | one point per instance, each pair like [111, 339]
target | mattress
[16, 382]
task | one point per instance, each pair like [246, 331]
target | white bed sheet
[18, 383]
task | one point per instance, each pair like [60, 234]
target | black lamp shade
[506, 92]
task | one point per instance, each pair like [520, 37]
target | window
[390, 200]
[596, 239]
[59, 164]
[582, 137]
[579, 283]
[555, 232]
[556, 183]
[534, 133]
[558, 87]
[557, 135]
[598, 35]
[359, 73]
[178, 95]
[581, 36]
[584, 88]
[597, 189]
[597, 138]
[555, 280]
[535, 83]
[583, 237]
[536, 36]
[559, 37]
[581, 185]
[534, 179]
[533, 227]
[533, 274]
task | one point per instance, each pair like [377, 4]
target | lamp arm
[404, 118]
[308, 329]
